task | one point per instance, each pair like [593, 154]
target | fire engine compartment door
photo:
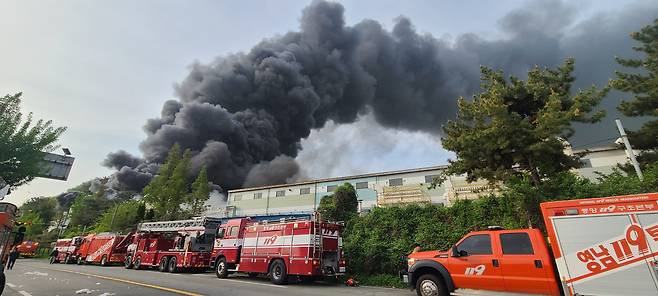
[589, 261]
[650, 221]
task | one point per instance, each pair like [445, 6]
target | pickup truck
[598, 246]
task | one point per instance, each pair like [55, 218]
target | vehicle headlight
[410, 261]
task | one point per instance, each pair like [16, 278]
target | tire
[221, 268]
[173, 265]
[127, 263]
[430, 285]
[104, 260]
[164, 264]
[278, 272]
[79, 261]
[138, 263]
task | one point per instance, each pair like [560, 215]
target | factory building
[389, 188]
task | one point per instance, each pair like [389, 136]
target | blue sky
[102, 68]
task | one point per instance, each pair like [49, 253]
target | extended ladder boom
[180, 225]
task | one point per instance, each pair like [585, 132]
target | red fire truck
[67, 248]
[28, 248]
[307, 248]
[173, 245]
[600, 246]
[8, 238]
[103, 248]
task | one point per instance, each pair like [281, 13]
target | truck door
[477, 267]
[523, 269]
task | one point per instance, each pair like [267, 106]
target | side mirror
[454, 252]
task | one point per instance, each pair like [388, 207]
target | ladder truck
[306, 248]
[173, 245]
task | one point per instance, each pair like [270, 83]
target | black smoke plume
[243, 115]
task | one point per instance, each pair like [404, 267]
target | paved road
[36, 277]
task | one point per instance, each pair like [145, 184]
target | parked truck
[103, 249]
[67, 249]
[28, 248]
[173, 245]
[598, 246]
[308, 248]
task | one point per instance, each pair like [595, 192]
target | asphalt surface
[34, 277]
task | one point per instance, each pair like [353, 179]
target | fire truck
[67, 249]
[103, 248]
[307, 248]
[8, 238]
[598, 246]
[28, 248]
[173, 245]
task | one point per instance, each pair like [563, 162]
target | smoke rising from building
[243, 115]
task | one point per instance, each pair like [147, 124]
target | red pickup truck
[598, 246]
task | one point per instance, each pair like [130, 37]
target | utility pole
[629, 150]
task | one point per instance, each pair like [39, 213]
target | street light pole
[629, 149]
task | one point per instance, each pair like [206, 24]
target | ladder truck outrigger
[173, 245]
[306, 248]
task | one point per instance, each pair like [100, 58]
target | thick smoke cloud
[121, 158]
[243, 115]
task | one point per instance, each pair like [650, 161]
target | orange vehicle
[28, 248]
[599, 246]
[8, 238]
[103, 248]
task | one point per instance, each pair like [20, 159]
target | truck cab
[229, 241]
[494, 260]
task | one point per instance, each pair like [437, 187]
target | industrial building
[388, 188]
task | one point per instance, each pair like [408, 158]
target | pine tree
[516, 127]
[200, 193]
[643, 84]
[156, 192]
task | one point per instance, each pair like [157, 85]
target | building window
[304, 191]
[395, 182]
[258, 195]
[430, 178]
[280, 193]
[361, 185]
[237, 197]
[331, 188]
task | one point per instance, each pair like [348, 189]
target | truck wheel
[221, 268]
[173, 265]
[278, 272]
[79, 261]
[138, 263]
[127, 263]
[164, 264]
[104, 260]
[430, 285]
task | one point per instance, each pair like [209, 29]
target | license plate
[405, 278]
[341, 269]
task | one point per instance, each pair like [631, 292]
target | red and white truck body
[103, 248]
[28, 248]
[306, 248]
[605, 246]
[173, 245]
[67, 248]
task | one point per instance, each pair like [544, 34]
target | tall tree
[515, 127]
[22, 142]
[122, 217]
[168, 190]
[86, 209]
[643, 84]
[43, 206]
[200, 193]
[33, 223]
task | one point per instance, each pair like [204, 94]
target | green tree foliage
[34, 225]
[43, 206]
[122, 217]
[22, 143]
[169, 189]
[512, 126]
[86, 209]
[375, 242]
[643, 84]
[342, 205]
[200, 193]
